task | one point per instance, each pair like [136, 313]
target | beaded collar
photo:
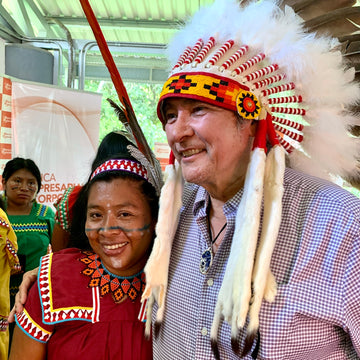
[118, 286]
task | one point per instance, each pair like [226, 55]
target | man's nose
[182, 126]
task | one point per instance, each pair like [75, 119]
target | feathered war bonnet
[262, 64]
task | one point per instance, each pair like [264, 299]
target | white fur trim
[156, 269]
[235, 292]
[273, 192]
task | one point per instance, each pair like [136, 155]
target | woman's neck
[16, 209]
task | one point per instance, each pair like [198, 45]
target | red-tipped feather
[105, 52]
[114, 73]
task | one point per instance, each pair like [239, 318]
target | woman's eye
[124, 215]
[94, 216]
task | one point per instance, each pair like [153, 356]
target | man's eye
[169, 117]
[199, 110]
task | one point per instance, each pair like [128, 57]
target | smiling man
[265, 259]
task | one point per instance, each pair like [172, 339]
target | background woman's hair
[19, 163]
[114, 143]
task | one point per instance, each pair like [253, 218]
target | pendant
[206, 260]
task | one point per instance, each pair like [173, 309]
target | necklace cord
[218, 234]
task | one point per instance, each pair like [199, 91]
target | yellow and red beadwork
[210, 88]
[108, 283]
[247, 104]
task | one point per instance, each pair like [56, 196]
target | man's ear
[253, 126]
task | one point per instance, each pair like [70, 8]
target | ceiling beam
[29, 30]
[41, 18]
[116, 23]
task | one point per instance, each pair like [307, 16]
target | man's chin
[191, 175]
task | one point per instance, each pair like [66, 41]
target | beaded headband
[121, 165]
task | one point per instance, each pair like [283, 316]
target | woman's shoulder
[65, 256]
[64, 206]
[68, 197]
[4, 221]
[60, 275]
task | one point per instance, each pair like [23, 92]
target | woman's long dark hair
[78, 237]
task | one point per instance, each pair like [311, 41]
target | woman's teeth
[113, 247]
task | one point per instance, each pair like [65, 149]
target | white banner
[58, 129]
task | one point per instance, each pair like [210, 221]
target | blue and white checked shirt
[316, 262]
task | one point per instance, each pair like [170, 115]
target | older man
[265, 261]
[252, 259]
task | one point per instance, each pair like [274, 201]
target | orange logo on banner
[5, 119]
[5, 151]
[7, 86]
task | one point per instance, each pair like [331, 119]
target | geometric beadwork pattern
[204, 86]
[117, 286]
[32, 328]
[123, 165]
[62, 213]
[3, 323]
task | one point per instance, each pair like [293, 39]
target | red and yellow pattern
[210, 88]
[118, 287]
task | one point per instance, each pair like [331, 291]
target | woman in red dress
[86, 302]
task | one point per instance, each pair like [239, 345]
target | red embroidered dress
[75, 320]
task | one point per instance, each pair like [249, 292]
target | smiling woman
[94, 310]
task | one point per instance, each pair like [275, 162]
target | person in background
[265, 259]
[32, 222]
[113, 143]
[96, 287]
[9, 264]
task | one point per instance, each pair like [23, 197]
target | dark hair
[2, 204]
[78, 237]
[19, 163]
[113, 144]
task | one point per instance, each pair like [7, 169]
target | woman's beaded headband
[121, 165]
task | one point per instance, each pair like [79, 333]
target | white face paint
[119, 225]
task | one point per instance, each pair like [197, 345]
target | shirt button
[210, 282]
[204, 331]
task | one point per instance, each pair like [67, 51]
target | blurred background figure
[32, 222]
[9, 264]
